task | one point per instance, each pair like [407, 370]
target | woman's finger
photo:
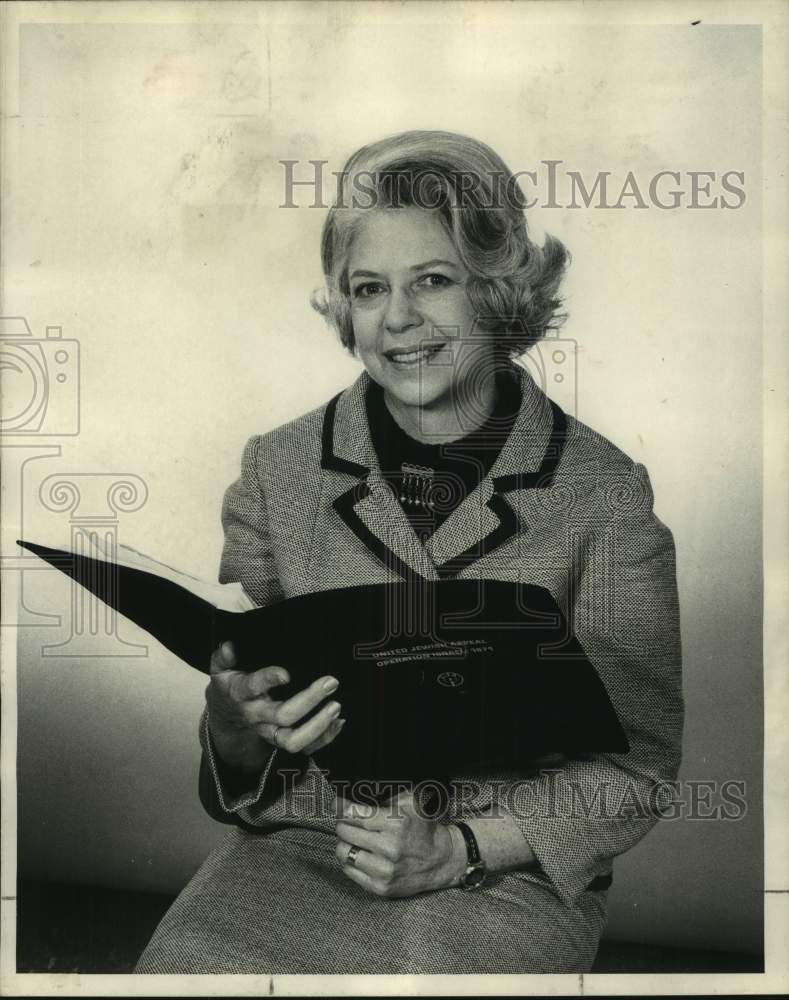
[369, 840]
[369, 862]
[295, 740]
[223, 658]
[328, 737]
[260, 682]
[365, 817]
[243, 687]
[296, 707]
[257, 712]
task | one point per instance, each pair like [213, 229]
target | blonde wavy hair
[513, 283]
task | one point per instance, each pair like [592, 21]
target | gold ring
[352, 855]
[274, 735]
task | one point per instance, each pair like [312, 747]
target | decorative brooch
[417, 482]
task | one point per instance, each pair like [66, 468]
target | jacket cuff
[569, 853]
[228, 782]
[556, 849]
[573, 850]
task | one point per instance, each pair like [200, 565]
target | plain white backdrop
[143, 177]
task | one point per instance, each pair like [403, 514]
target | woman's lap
[279, 904]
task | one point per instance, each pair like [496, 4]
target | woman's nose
[401, 313]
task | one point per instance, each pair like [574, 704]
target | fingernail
[330, 684]
[341, 722]
[334, 708]
[359, 811]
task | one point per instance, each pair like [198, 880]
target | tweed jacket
[561, 508]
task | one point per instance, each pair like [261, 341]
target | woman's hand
[246, 722]
[400, 852]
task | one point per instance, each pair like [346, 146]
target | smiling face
[412, 319]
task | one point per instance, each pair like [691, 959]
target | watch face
[474, 877]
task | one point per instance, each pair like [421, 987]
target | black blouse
[430, 480]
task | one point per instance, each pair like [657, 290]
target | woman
[443, 459]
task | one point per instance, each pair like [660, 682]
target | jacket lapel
[484, 520]
[365, 502]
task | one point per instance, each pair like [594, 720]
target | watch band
[472, 847]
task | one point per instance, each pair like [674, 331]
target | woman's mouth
[409, 357]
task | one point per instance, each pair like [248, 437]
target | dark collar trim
[508, 521]
[543, 477]
[328, 459]
[507, 527]
[344, 505]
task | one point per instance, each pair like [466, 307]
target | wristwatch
[475, 872]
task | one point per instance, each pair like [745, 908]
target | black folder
[436, 678]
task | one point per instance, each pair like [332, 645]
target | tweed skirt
[279, 903]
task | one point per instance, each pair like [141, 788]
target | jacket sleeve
[624, 611]
[290, 789]
[247, 555]
[228, 794]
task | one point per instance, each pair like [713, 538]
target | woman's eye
[367, 290]
[435, 281]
